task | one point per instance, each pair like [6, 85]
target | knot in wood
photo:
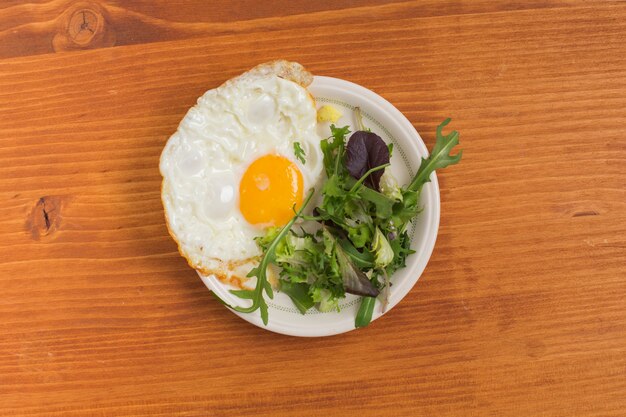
[45, 217]
[83, 26]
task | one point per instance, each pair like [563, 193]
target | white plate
[391, 125]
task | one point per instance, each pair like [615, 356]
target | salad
[356, 238]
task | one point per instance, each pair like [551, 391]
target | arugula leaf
[245, 294]
[333, 218]
[364, 315]
[384, 205]
[299, 152]
[439, 157]
[299, 294]
[260, 272]
[363, 259]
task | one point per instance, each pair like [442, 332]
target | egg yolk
[268, 191]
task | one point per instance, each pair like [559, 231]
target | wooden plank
[521, 310]
[62, 25]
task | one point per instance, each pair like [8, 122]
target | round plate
[408, 149]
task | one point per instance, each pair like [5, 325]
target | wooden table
[520, 312]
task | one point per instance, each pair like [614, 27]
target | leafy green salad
[356, 238]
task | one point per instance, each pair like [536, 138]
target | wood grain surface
[520, 312]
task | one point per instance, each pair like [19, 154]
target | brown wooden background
[521, 311]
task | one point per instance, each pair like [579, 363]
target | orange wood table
[520, 312]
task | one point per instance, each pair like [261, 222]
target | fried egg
[230, 169]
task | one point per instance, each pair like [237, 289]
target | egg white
[203, 161]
